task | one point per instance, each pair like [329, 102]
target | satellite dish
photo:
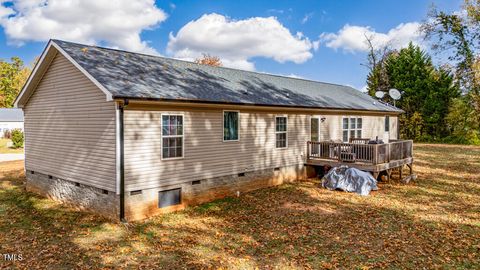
[394, 93]
[379, 94]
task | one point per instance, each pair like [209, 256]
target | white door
[315, 129]
[315, 134]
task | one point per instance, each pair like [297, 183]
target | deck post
[388, 153]
[339, 152]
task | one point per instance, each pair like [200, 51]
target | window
[230, 126]
[172, 136]
[281, 132]
[387, 123]
[352, 128]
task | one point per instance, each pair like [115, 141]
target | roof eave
[186, 101]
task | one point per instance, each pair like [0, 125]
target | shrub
[17, 138]
[7, 134]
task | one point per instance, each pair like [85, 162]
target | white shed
[10, 119]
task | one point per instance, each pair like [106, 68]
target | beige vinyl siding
[372, 126]
[394, 127]
[205, 153]
[70, 128]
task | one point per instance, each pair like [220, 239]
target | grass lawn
[5, 150]
[432, 223]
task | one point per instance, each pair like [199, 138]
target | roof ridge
[213, 67]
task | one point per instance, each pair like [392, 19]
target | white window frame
[223, 125]
[281, 132]
[172, 136]
[349, 129]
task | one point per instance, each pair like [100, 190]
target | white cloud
[291, 75]
[5, 11]
[364, 89]
[237, 41]
[351, 38]
[118, 23]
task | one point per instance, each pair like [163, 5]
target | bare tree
[376, 63]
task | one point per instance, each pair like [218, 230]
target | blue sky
[255, 35]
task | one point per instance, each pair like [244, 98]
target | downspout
[121, 171]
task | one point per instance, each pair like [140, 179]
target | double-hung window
[281, 132]
[172, 136]
[230, 125]
[352, 128]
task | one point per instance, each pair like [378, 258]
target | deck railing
[360, 152]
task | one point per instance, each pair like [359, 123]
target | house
[131, 135]
[10, 119]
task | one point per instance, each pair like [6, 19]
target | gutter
[393, 110]
[121, 157]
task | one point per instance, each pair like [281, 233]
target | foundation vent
[241, 174]
[169, 197]
[196, 182]
[104, 191]
[50, 177]
[276, 169]
[135, 192]
[77, 184]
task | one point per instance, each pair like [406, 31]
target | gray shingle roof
[140, 76]
[11, 115]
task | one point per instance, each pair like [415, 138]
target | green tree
[457, 35]
[13, 76]
[427, 92]
[463, 122]
[17, 138]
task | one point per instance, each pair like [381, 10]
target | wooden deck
[374, 158]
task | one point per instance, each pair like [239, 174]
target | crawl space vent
[169, 197]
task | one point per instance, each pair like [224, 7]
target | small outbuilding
[10, 119]
[131, 135]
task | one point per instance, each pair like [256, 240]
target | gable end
[41, 68]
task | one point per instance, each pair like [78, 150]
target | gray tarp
[349, 179]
